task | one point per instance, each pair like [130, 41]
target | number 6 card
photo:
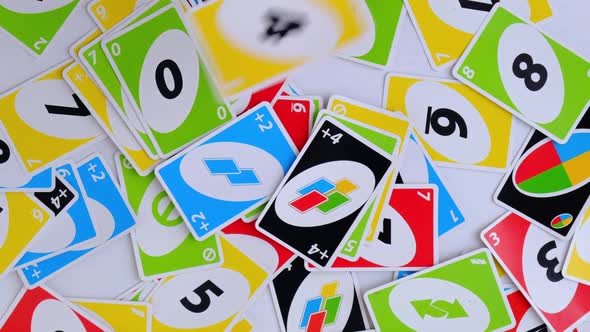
[526, 72]
[319, 201]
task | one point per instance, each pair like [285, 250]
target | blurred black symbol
[282, 23]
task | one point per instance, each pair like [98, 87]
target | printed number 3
[549, 264]
[205, 300]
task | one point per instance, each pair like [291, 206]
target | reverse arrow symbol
[439, 309]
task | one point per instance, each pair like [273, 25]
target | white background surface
[111, 270]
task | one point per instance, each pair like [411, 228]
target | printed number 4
[335, 138]
[205, 299]
[315, 249]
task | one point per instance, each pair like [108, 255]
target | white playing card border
[570, 253]
[79, 302]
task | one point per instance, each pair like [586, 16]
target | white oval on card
[448, 122]
[551, 297]
[312, 287]
[407, 297]
[172, 303]
[255, 174]
[103, 222]
[53, 315]
[531, 73]
[33, 7]
[169, 81]
[257, 249]
[359, 177]
[60, 232]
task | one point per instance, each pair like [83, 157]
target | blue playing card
[43, 181]
[67, 230]
[111, 216]
[229, 172]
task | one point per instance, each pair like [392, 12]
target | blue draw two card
[230, 171]
[66, 230]
[417, 168]
[110, 213]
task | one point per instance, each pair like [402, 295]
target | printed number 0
[201, 292]
[4, 152]
[161, 79]
[453, 118]
[549, 264]
[533, 83]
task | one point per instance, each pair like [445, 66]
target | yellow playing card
[122, 316]
[107, 13]
[577, 264]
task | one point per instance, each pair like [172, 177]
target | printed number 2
[4, 152]
[453, 120]
[205, 300]
[549, 264]
[478, 5]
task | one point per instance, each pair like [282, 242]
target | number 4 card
[533, 259]
[528, 73]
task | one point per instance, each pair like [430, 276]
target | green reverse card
[34, 24]
[162, 243]
[523, 70]
[462, 294]
[157, 61]
[386, 17]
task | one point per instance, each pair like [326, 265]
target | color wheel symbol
[235, 175]
[322, 310]
[323, 195]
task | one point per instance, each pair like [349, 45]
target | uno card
[296, 114]
[462, 294]
[41, 309]
[119, 315]
[208, 300]
[171, 90]
[43, 181]
[403, 237]
[112, 123]
[402, 274]
[386, 19]
[110, 213]
[319, 201]
[272, 37]
[416, 168]
[46, 110]
[519, 67]
[533, 259]
[308, 301]
[549, 182]
[107, 13]
[577, 263]
[71, 228]
[22, 218]
[34, 24]
[525, 317]
[266, 94]
[229, 172]
[446, 28]
[456, 125]
[272, 256]
[162, 243]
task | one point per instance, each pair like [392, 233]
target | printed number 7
[205, 300]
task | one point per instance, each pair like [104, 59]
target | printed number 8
[532, 68]
[4, 152]
[454, 120]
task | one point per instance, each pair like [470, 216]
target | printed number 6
[453, 118]
[201, 292]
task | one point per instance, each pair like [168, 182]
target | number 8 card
[531, 75]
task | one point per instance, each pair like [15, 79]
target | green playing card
[163, 244]
[386, 17]
[34, 24]
[462, 294]
[523, 70]
[156, 59]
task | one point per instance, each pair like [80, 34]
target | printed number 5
[205, 300]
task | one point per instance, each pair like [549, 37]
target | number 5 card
[533, 259]
[519, 67]
[457, 126]
[230, 172]
[319, 201]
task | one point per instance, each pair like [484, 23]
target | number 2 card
[533, 259]
[513, 63]
[319, 201]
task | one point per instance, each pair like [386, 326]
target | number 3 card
[549, 183]
[230, 172]
[533, 259]
[519, 67]
[457, 126]
[318, 202]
